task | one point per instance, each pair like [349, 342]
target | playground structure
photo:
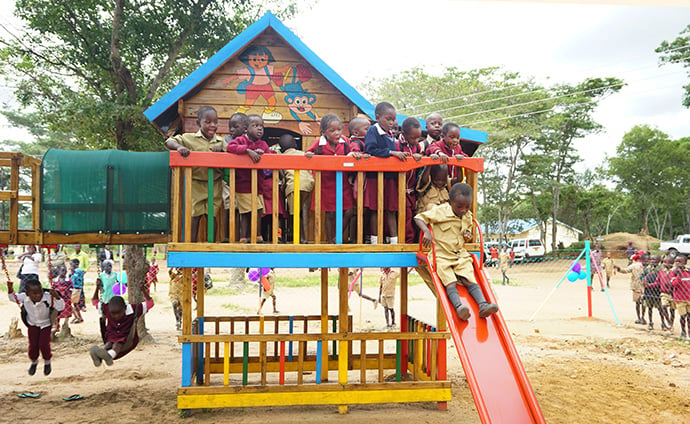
[251, 360]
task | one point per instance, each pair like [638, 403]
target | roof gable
[163, 112]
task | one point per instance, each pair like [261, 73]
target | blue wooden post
[292, 326]
[318, 362]
[339, 207]
[200, 355]
[186, 364]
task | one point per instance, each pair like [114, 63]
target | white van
[526, 249]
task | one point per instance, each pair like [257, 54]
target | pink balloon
[253, 275]
[577, 267]
[265, 271]
[119, 289]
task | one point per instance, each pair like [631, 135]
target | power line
[469, 95]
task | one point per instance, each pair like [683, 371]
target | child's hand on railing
[356, 155]
[443, 157]
[468, 236]
[459, 157]
[183, 151]
[216, 148]
[255, 154]
[400, 155]
[417, 157]
[308, 155]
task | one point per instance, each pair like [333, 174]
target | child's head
[644, 258]
[74, 264]
[207, 118]
[680, 261]
[77, 247]
[451, 134]
[412, 130]
[61, 270]
[238, 124]
[34, 290]
[386, 269]
[460, 198]
[358, 127]
[117, 307]
[385, 116]
[107, 266]
[287, 141]
[255, 127]
[434, 125]
[668, 262]
[655, 260]
[439, 175]
[31, 249]
[331, 128]
[608, 255]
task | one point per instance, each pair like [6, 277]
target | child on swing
[120, 328]
[452, 225]
[37, 304]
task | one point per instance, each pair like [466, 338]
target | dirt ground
[583, 370]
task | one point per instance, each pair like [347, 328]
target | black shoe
[643, 322]
[638, 321]
[650, 326]
[47, 369]
[487, 309]
[682, 336]
[32, 368]
[463, 312]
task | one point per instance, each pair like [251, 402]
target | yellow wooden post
[226, 364]
[343, 345]
[381, 234]
[360, 207]
[274, 210]
[200, 291]
[188, 206]
[187, 301]
[343, 356]
[402, 205]
[255, 204]
[176, 204]
[231, 211]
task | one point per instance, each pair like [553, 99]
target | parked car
[487, 253]
[680, 245]
[527, 249]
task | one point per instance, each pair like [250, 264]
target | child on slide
[120, 328]
[452, 224]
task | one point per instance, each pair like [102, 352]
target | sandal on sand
[28, 395]
[73, 397]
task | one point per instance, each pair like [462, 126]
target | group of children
[384, 138]
[43, 308]
[661, 284]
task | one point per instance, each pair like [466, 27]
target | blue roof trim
[206, 69]
[244, 38]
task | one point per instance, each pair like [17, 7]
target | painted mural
[263, 84]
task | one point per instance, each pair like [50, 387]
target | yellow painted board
[239, 400]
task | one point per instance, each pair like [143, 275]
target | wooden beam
[270, 248]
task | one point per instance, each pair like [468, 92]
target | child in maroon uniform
[332, 143]
[434, 127]
[408, 142]
[663, 283]
[358, 128]
[681, 293]
[449, 146]
[380, 142]
[252, 145]
[120, 328]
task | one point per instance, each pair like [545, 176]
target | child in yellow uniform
[387, 280]
[452, 225]
[271, 278]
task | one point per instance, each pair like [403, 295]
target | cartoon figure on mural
[298, 99]
[255, 82]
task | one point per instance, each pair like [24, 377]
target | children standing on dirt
[651, 291]
[270, 292]
[37, 305]
[663, 282]
[452, 226]
[387, 281]
[120, 328]
[636, 271]
[681, 294]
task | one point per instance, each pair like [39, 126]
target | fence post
[588, 261]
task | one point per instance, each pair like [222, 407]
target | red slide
[492, 366]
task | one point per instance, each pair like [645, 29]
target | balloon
[265, 271]
[572, 276]
[253, 275]
[582, 275]
[119, 289]
[577, 268]
[265, 284]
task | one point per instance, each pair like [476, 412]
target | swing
[53, 312]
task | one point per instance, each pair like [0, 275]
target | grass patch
[236, 308]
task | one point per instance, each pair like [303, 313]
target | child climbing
[452, 225]
[37, 305]
[269, 292]
[120, 328]
[387, 281]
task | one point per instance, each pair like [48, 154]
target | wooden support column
[403, 317]
[254, 215]
[471, 180]
[187, 220]
[36, 196]
[14, 200]
[187, 301]
[441, 351]
[176, 204]
[324, 322]
[343, 348]
[200, 292]
[402, 205]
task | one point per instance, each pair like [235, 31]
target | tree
[676, 51]
[89, 68]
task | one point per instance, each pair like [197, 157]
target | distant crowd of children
[384, 138]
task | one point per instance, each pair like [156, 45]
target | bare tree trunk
[134, 262]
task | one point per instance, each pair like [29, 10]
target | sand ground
[583, 370]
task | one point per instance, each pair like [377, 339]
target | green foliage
[90, 67]
[676, 51]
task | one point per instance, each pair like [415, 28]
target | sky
[553, 42]
[550, 41]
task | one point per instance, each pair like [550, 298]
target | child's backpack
[53, 312]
